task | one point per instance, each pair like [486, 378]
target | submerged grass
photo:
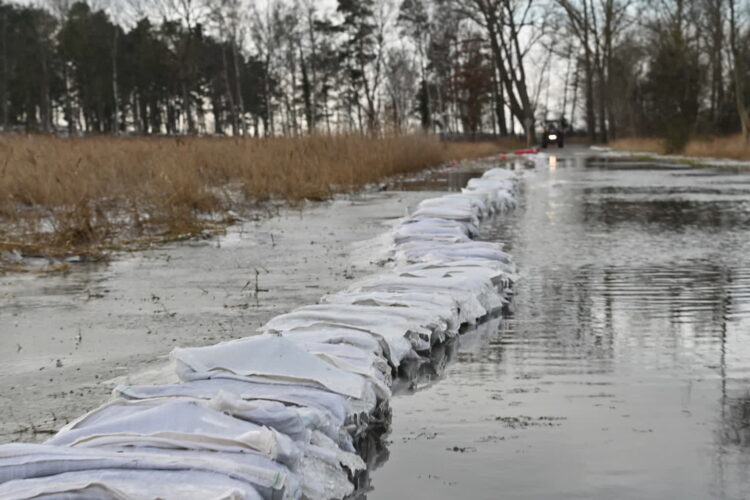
[63, 196]
[731, 147]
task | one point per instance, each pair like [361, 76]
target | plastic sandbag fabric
[269, 357]
[28, 461]
[274, 415]
[130, 484]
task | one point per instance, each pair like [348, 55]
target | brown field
[61, 196]
[732, 147]
[639, 144]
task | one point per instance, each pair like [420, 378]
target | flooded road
[624, 369]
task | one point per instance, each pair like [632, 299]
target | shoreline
[435, 263]
[59, 364]
[693, 161]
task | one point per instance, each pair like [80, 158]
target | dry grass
[62, 196]
[732, 147]
[640, 145]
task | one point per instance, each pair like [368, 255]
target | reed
[640, 145]
[732, 147]
[61, 196]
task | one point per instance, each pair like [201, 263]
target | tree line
[611, 68]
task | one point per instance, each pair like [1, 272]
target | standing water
[624, 369]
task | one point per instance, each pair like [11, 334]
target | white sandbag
[500, 173]
[174, 423]
[470, 307]
[425, 251]
[478, 297]
[489, 185]
[335, 334]
[121, 484]
[500, 200]
[272, 416]
[499, 273]
[499, 196]
[296, 422]
[428, 227]
[394, 333]
[321, 472]
[355, 360]
[440, 306]
[492, 272]
[450, 213]
[477, 280]
[337, 406]
[269, 357]
[25, 461]
[472, 205]
[393, 328]
[419, 321]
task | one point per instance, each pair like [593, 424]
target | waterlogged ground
[624, 371]
[67, 339]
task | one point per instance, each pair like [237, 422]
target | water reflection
[630, 332]
[415, 375]
[450, 179]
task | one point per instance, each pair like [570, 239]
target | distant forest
[612, 68]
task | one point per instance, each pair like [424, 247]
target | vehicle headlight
[553, 137]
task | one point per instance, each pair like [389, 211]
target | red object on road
[526, 151]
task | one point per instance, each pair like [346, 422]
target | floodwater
[67, 339]
[623, 371]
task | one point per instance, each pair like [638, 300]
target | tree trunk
[742, 110]
[115, 96]
[238, 87]
[228, 90]
[306, 92]
[4, 80]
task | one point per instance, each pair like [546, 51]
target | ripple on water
[629, 340]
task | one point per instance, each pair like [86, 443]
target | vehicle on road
[554, 132]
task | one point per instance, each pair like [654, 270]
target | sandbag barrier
[282, 414]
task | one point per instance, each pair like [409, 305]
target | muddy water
[624, 369]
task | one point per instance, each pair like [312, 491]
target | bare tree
[229, 16]
[189, 13]
[509, 26]
[738, 71]
[400, 82]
